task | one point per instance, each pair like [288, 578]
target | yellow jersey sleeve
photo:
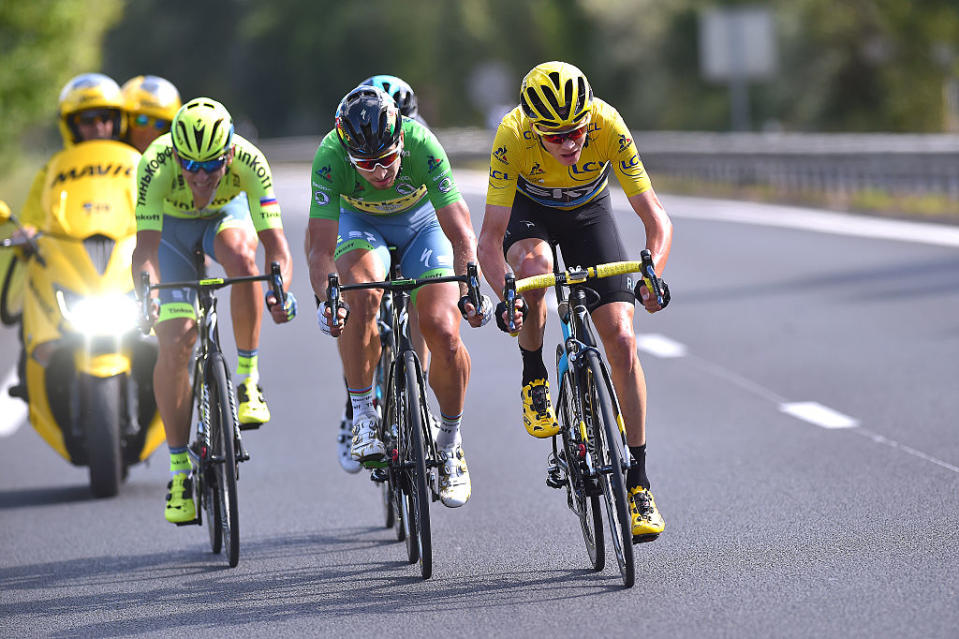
[623, 155]
[504, 165]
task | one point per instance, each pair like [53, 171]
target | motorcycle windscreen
[91, 190]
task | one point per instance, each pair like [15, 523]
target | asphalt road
[803, 450]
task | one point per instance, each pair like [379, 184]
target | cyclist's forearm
[145, 256]
[276, 249]
[659, 228]
[322, 244]
[455, 221]
[494, 266]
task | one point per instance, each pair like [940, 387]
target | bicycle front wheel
[609, 457]
[583, 498]
[223, 454]
[415, 459]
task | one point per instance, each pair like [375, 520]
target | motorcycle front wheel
[100, 405]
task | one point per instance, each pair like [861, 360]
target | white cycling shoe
[366, 446]
[344, 440]
[454, 477]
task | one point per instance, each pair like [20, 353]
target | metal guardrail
[908, 164]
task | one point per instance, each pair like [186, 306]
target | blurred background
[757, 99]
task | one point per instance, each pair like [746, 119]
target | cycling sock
[636, 475]
[449, 432]
[533, 366]
[179, 461]
[362, 401]
[246, 364]
[348, 411]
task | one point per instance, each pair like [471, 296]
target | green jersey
[424, 173]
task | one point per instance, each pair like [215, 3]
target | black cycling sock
[533, 366]
[636, 476]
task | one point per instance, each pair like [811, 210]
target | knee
[364, 305]
[621, 347]
[175, 341]
[443, 338]
[240, 258]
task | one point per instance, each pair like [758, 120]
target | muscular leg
[359, 343]
[171, 378]
[528, 257]
[440, 325]
[235, 250]
[614, 322]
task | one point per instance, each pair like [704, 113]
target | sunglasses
[93, 117]
[559, 138]
[209, 166]
[384, 161]
[142, 120]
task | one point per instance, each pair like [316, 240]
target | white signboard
[737, 43]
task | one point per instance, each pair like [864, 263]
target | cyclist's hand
[519, 314]
[146, 323]
[648, 300]
[281, 312]
[324, 317]
[471, 315]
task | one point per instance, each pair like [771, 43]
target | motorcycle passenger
[90, 107]
[382, 180]
[549, 168]
[202, 185]
[150, 104]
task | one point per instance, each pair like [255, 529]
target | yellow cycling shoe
[647, 522]
[180, 508]
[538, 416]
[252, 411]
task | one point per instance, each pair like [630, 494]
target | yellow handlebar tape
[601, 270]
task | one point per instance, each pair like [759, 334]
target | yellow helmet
[556, 95]
[150, 95]
[202, 130]
[86, 92]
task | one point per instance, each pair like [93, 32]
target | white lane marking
[660, 346]
[816, 413]
[880, 439]
[13, 411]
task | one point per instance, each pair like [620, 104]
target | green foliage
[43, 43]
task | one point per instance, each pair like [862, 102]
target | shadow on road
[152, 593]
[43, 496]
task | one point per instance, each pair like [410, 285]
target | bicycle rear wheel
[418, 510]
[609, 456]
[223, 455]
[583, 501]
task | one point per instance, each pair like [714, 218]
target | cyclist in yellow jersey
[548, 184]
[150, 102]
[201, 186]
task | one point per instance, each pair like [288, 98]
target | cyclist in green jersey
[382, 180]
[201, 186]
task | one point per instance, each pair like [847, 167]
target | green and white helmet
[202, 130]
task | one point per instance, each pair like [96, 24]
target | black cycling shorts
[586, 236]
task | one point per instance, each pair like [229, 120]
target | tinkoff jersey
[520, 162]
[161, 189]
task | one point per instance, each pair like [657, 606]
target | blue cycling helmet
[397, 89]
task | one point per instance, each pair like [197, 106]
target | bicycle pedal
[376, 463]
[642, 539]
[250, 426]
[379, 475]
[192, 522]
[555, 478]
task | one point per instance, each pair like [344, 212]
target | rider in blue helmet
[400, 91]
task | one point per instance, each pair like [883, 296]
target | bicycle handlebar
[334, 288]
[275, 278]
[579, 275]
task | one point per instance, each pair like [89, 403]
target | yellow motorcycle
[89, 371]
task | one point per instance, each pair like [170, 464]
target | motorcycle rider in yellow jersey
[150, 102]
[549, 170]
[201, 185]
[90, 107]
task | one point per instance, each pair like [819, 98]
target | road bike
[217, 448]
[409, 473]
[590, 456]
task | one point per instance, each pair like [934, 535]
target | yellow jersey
[520, 162]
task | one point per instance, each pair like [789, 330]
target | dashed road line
[808, 411]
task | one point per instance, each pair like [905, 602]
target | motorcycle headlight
[98, 315]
